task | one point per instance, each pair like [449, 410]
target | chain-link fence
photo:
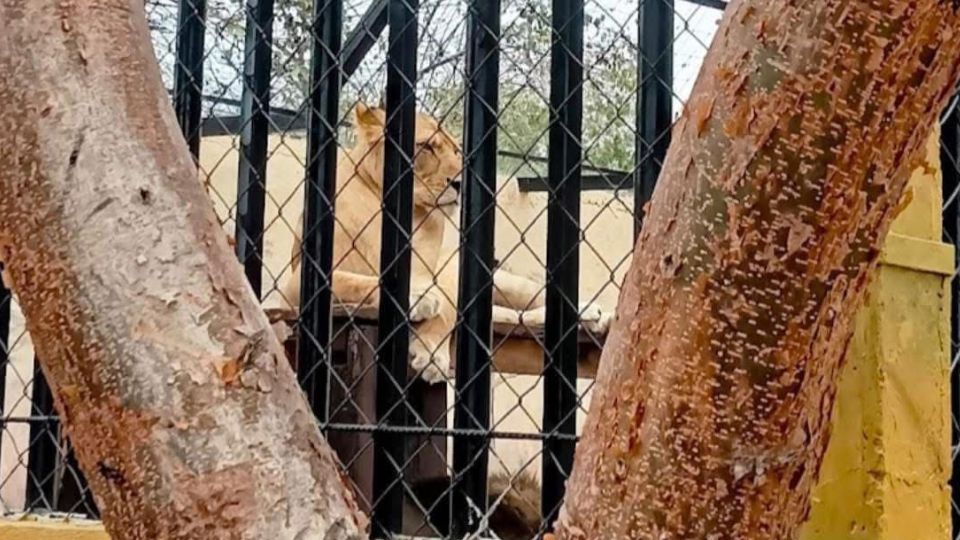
[438, 199]
[950, 164]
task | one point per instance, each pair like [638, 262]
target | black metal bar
[232, 125]
[316, 260]
[188, 72]
[588, 182]
[541, 159]
[5, 299]
[475, 331]
[433, 430]
[655, 99]
[255, 110]
[42, 452]
[950, 164]
[230, 102]
[563, 250]
[363, 37]
[54, 480]
[715, 4]
[397, 210]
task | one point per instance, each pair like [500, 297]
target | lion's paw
[424, 304]
[594, 318]
[431, 366]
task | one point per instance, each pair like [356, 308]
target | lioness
[433, 282]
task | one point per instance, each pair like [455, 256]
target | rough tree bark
[711, 412]
[186, 418]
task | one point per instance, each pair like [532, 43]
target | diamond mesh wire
[950, 164]
[37, 472]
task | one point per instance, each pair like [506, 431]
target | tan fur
[433, 274]
[515, 505]
[358, 224]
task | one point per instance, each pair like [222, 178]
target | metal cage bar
[950, 165]
[477, 219]
[560, 396]
[43, 450]
[654, 100]
[54, 480]
[396, 218]
[188, 71]
[336, 55]
[5, 300]
[316, 261]
[715, 4]
[363, 37]
[255, 110]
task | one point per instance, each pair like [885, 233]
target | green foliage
[609, 69]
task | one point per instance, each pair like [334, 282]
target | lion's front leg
[593, 318]
[516, 292]
[355, 289]
[520, 301]
[430, 341]
[430, 347]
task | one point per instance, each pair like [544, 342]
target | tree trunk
[186, 418]
[712, 407]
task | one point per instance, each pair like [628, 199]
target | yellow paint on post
[51, 530]
[885, 473]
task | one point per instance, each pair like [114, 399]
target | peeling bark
[712, 406]
[185, 416]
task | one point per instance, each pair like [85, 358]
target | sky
[694, 27]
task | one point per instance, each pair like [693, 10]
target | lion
[433, 272]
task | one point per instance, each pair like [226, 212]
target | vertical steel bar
[563, 250]
[363, 37]
[474, 333]
[5, 300]
[397, 210]
[950, 163]
[654, 100]
[43, 448]
[255, 115]
[316, 260]
[188, 72]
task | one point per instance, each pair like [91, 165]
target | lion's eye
[426, 146]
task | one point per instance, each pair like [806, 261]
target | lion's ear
[369, 122]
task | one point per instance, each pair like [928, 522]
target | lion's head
[438, 160]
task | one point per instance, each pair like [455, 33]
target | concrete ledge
[918, 254]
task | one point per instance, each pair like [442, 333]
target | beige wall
[607, 219]
[605, 216]
[520, 245]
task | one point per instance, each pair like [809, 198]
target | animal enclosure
[447, 332]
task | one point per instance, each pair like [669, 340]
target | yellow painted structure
[885, 473]
[27, 529]
[886, 470]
